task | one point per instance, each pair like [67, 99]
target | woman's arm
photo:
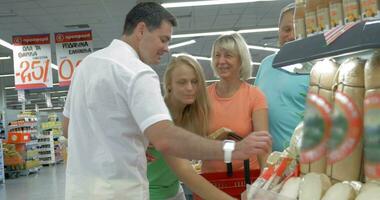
[194, 181]
[260, 123]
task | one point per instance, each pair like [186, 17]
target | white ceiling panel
[106, 20]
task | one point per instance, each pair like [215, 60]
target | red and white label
[347, 128]
[372, 135]
[317, 128]
[32, 60]
[71, 49]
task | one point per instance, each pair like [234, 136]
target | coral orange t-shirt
[234, 113]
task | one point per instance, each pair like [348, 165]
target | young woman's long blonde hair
[194, 117]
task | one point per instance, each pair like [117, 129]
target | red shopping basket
[233, 185]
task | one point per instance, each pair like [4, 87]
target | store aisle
[48, 184]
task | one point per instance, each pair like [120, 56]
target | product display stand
[361, 38]
[50, 148]
[2, 173]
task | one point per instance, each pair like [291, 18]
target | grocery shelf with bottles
[21, 146]
[338, 142]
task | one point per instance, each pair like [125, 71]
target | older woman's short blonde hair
[236, 44]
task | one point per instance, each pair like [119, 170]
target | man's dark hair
[153, 14]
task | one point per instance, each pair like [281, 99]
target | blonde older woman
[236, 104]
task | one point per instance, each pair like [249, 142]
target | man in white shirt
[115, 108]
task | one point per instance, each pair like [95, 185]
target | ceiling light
[181, 44]
[6, 44]
[263, 48]
[255, 30]
[9, 88]
[196, 57]
[6, 75]
[206, 3]
[205, 58]
[258, 30]
[187, 35]
[5, 58]
[54, 66]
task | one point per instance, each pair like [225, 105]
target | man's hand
[256, 143]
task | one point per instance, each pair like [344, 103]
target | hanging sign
[32, 58]
[71, 49]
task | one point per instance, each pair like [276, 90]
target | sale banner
[32, 60]
[71, 49]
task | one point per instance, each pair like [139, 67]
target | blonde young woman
[236, 104]
[186, 98]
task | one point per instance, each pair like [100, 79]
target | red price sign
[34, 70]
[67, 68]
[71, 49]
[32, 58]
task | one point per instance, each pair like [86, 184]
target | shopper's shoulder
[252, 89]
[265, 66]
[267, 61]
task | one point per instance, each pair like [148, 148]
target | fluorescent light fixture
[196, 57]
[258, 30]
[181, 44]
[215, 80]
[6, 44]
[9, 88]
[5, 58]
[263, 48]
[187, 35]
[255, 30]
[205, 58]
[206, 3]
[54, 66]
[6, 75]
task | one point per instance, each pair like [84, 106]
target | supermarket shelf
[46, 155]
[2, 172]
[363, 36]
[46, 143]
[22, 125]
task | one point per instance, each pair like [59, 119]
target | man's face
[286, 32]
[155, 43]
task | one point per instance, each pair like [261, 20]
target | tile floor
[47, 184]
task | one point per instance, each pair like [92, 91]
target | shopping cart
[231, 183]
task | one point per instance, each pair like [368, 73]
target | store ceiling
[106, 18]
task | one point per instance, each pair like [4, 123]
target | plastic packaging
[299, 20]
[311, 17]
[323, 17]
[370, 9]
[336, 13]
[351, 11]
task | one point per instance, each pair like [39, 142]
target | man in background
[285, 91]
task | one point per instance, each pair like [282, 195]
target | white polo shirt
[112, 99]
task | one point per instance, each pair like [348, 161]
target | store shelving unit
[360, 39]
[23, 134]
[50, 151]
[2, 127]
[2, 173]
